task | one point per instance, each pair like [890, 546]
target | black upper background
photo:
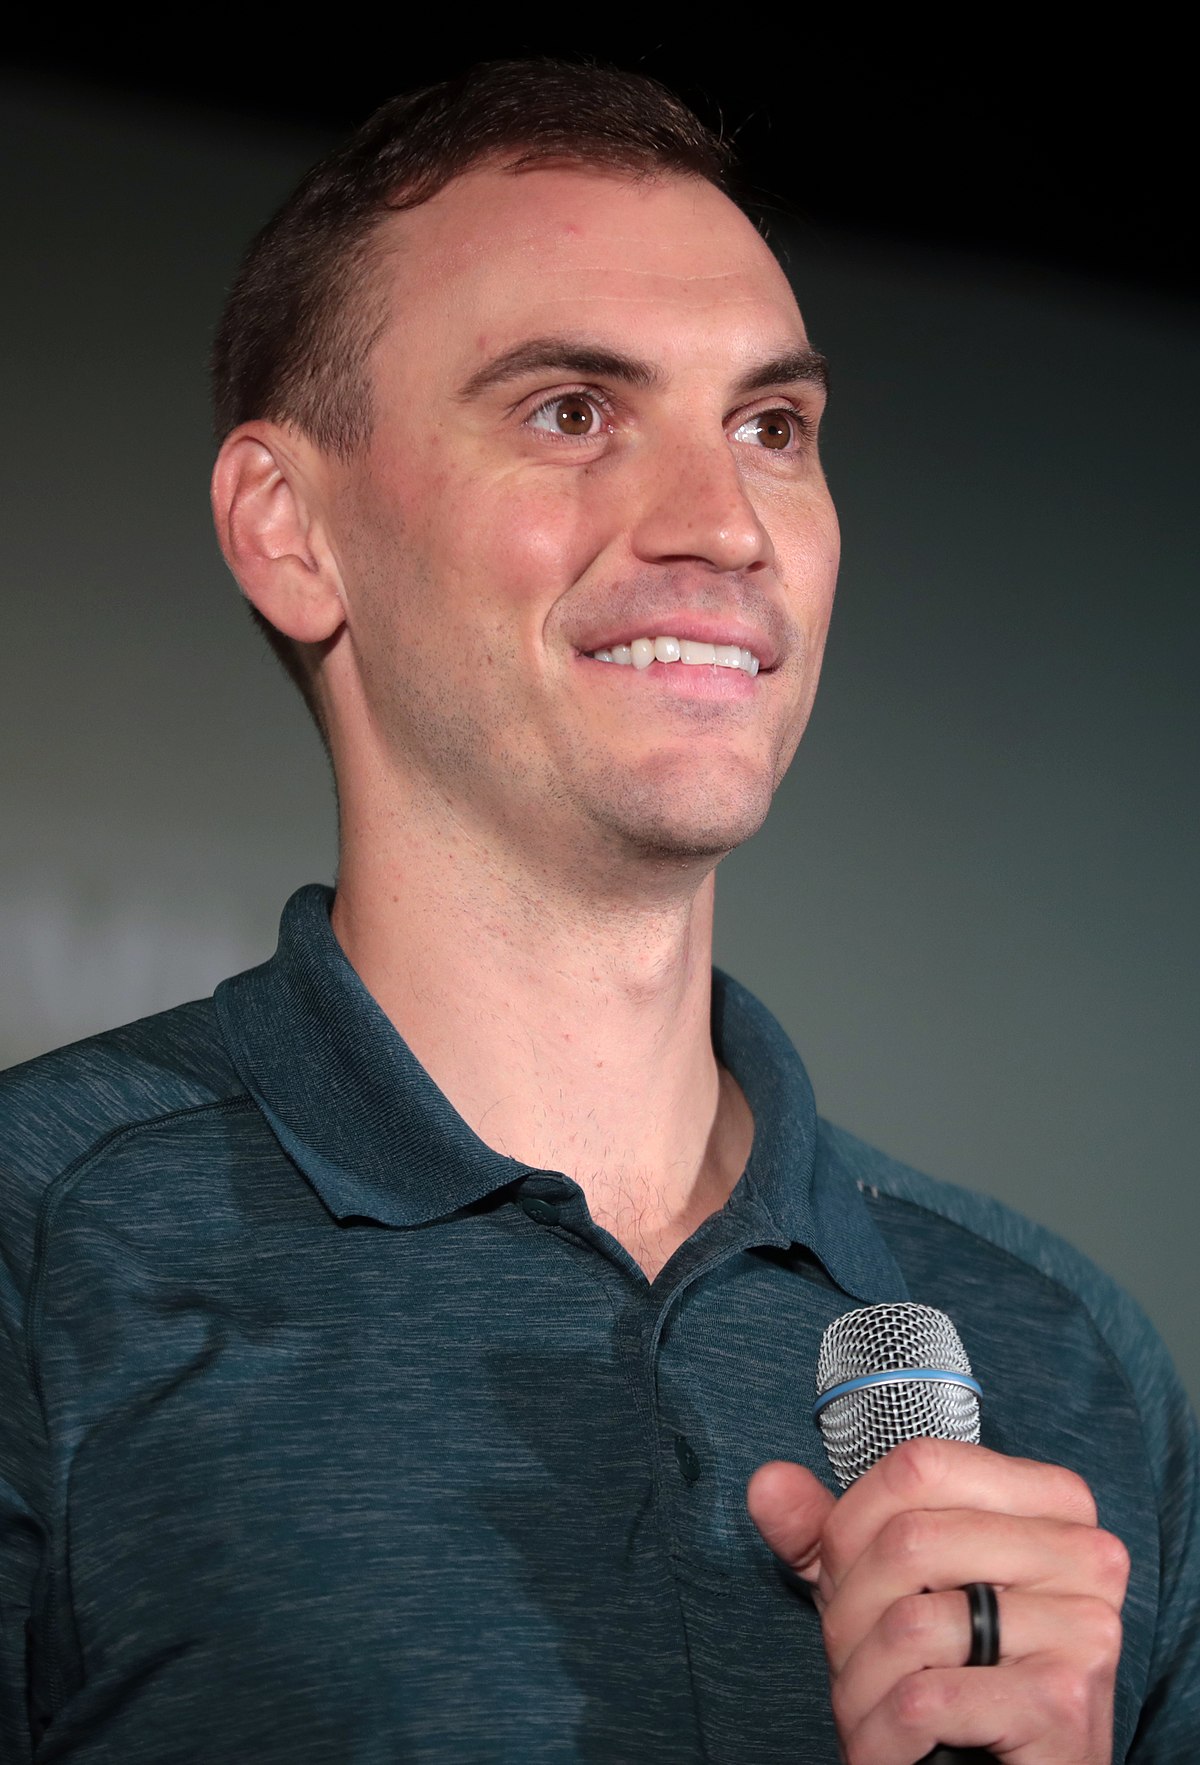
[1003, 137]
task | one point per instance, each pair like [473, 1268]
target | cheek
[517, 544]
[808, 550]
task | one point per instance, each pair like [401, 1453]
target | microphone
[889, 1373]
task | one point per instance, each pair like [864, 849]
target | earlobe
[271, 534]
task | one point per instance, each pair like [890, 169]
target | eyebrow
[565, 355]
[560, 355]
[795, 366]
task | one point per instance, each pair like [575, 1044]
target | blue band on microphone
[898, 1376]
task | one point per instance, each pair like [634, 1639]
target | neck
[570, 1029]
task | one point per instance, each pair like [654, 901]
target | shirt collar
[805, 1196]
[347, 1100]
[376, 1138]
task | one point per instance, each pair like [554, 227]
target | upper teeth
[644, 650]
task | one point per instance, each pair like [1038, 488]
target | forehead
[497, 256]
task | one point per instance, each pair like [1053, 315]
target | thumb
[790, 1507]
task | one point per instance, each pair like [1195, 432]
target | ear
[266, 499]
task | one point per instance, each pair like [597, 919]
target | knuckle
[1097, 1634]
[1074, 1696]
[907, 1621]
[1109, 1634]
[1112, 1561]
[1066, 1694]
[916, 1702]
[908, 1536]
[1072, 1495]
[917, 1465]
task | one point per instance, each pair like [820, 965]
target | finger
[926, 1550]
[949, 1474]
[930, 1630]
[790, 1508]
[1046, 1710]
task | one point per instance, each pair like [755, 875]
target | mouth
[641, 651]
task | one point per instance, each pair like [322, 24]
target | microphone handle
[958, 1756]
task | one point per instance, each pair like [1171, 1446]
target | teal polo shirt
[327, 1434]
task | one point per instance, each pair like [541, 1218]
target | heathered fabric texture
[329, 1435]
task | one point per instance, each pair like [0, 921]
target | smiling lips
[644, 650]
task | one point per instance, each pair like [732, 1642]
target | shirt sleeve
[1168, 1732]
[22, 1534]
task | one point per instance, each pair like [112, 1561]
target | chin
[688, 823]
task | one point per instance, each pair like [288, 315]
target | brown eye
[574, 416]
[774, 429]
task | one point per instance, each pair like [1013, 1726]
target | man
[394, 1338]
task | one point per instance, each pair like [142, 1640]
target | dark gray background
[974, 906]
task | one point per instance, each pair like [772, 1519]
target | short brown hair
[305, 310]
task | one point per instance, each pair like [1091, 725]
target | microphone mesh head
[861, 1426]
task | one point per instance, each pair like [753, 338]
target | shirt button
[544, 1212]
[689, 1464]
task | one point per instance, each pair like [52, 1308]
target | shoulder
[1021, 1282]
[62, 1109]
[994, 1232]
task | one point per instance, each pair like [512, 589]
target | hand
[887, 1562]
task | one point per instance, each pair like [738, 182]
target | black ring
[985, 1624]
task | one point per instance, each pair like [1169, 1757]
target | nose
[696, 508]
